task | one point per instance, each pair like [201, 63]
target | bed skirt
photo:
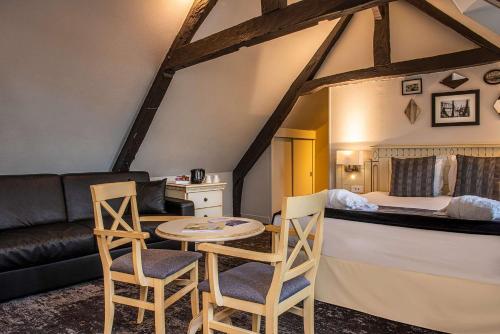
[435, 302]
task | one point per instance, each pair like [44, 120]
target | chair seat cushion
[156, 263]
[41, 244]
[251, 282]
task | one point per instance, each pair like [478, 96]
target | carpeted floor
[79, 309]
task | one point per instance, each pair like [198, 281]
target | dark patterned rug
[79, 309]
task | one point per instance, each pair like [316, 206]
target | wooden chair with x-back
[147, 268]
[269, 289]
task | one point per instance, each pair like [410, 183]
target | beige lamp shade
[350, 158]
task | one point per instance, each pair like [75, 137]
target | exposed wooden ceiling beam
[377, 15]
[197, 14]
[295, 17]
[382, 37]
[440, 63]
[272, 5]
[495, 3]
[450, 22]
[263, 139]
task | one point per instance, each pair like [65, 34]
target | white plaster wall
[371, 113]
[73, 75]
[257, 203]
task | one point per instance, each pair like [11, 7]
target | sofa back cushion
[28, 200]
[77, 191]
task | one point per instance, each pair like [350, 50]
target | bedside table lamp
[352, 160]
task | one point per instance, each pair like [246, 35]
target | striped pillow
[496, 191]
[475, 176]
[412, 177]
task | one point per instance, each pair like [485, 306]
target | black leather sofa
[46, 230]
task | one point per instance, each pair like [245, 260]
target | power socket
[357, 188]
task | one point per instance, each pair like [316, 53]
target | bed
[437, 279]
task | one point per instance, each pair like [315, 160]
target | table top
[176, 229]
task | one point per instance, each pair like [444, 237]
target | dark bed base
[417, 218]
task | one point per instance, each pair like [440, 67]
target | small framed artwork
[412, 86]
[492, 77]
[455, 108]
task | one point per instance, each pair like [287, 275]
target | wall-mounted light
[352, 160]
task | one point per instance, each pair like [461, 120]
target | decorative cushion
[156, 263]
[77, 191]
[251, 282]
[496, 183]
[475, 176]
[413, 177]
[151, 197]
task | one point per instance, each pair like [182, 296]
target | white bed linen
[428, 203]
[458, 255]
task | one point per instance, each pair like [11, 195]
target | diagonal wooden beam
[450, 22]
[272, 5]
[440, 63]
[382, 36]
[265, 136]
[495, 3]
[295, 17]
[197, 14]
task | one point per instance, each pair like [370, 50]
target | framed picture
[455, 108]
[492, 77]
[412, 86]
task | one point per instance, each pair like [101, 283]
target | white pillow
[438, 175]
[473, 207]
[452, 174]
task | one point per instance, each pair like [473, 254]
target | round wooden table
[178, 229]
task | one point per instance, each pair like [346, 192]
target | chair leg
[256, 319]
[143, 295]
[109, 305]
[271, 323]
[159, 300]
[208, 314]
[309, 315]
[195, 303]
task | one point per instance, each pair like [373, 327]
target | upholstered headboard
[381, 157]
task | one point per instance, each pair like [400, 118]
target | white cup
[216, 178]
[208, 179]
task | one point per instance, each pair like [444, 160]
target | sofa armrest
[179, 207]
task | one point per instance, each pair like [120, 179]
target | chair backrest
[102, 193]
[310, 210]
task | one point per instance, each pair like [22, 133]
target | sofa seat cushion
[149, 227]
[36, 245]
[251, 282]
[156, 263]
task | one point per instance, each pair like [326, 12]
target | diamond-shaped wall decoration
[412, 111]
[497, 106]
[454, 80]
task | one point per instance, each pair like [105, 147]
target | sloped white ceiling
[213, 111]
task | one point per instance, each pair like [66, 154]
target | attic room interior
[250, 166]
